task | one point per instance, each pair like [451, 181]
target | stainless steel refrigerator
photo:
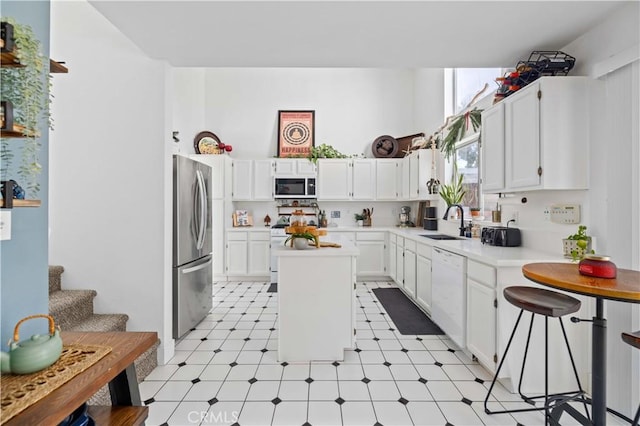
[192, 257]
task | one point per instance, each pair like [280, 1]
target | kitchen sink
[440, 237]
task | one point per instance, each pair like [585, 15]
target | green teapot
[34, 354]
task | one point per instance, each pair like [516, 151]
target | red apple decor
[221, 145]
[228, 148]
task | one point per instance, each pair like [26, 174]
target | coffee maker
[405, 217]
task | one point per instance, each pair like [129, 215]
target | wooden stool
[634, 340]
[549, 304]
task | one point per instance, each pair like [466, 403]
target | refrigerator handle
[203, 208]
[197, 268]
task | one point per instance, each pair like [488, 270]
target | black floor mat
[407, 317]
[273, 288]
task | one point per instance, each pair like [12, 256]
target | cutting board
[329, 244]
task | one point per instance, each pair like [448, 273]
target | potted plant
[453, 193]
[359, 219]
[577, 245]
[300, 240]
[27, 88]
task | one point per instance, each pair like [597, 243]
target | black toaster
[501, 236]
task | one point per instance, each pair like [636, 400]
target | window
[461, 85]
[467, 164]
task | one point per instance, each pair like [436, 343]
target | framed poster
[296, 131]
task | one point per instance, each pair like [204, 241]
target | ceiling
[351, 33]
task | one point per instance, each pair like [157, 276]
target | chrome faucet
[462, 228]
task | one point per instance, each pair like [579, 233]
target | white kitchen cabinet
[399, 261]
[364, 179]
[242, 180]
[252, 180]
[335, 179]
[259, 253]
[544, 135]
[420, 172]
[217, 229]
[371, 261]
[388, 179]
[287, 167]
[482, 313]
[248, 253]
[492, 147]
[405, 178]
[392, 258]
[409, 281]
[236, 255]
[423, 276]
[262, 180]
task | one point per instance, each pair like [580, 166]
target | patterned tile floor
[226, 372]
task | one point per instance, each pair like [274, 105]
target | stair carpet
[72, 310]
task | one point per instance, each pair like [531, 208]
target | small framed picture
[296, 133]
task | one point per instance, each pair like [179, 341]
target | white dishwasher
[449, 294]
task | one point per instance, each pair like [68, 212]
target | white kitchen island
[316, 302]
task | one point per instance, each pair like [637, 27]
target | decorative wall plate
[206, 143]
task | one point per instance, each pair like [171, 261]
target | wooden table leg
[124, 388]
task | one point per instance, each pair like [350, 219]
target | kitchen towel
[407, 317]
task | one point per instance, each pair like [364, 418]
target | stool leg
[504, 356]
[524, 361]
[636, 419]
[546, 370]
[575, 370]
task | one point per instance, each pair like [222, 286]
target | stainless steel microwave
[295, 187]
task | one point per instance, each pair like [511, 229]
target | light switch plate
[5, 224]
[565, 213]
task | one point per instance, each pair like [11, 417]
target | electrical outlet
[5, 224]
[547, 213]
[514, 216]
[335, 214]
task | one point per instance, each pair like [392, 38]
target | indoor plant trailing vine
[27, 88]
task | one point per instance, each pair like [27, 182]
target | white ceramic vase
[300, 243]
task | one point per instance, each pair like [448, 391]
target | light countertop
[348, 249]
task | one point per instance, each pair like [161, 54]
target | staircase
[72, 310]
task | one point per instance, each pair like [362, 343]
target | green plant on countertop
[306, 235]
[324, 151]
[27, 88]
[359, 216]
[454, 192]
[582, 244]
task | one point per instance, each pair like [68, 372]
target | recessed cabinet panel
[334, 179]
[387, 179]
[242, 180]
[371, 260]
[263, 180]
[423, 282]
[493, 148]
[481, 323]
[522, 129]
[364, 180]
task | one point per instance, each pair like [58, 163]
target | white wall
[615, 185]
[108, 174]
[188, 106]
[352, 106]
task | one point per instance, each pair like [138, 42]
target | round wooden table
[624, 288]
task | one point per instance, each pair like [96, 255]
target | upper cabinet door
[285, 167]
[306, 168]
[492, 142]
[334, 179]
[263, 180]
[387, 179]
[522, 118]
[364, 180]
[242, 180]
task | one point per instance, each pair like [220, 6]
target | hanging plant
[458, 129]
[27, 87]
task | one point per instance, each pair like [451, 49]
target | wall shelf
[22, 203]
[10, 60]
